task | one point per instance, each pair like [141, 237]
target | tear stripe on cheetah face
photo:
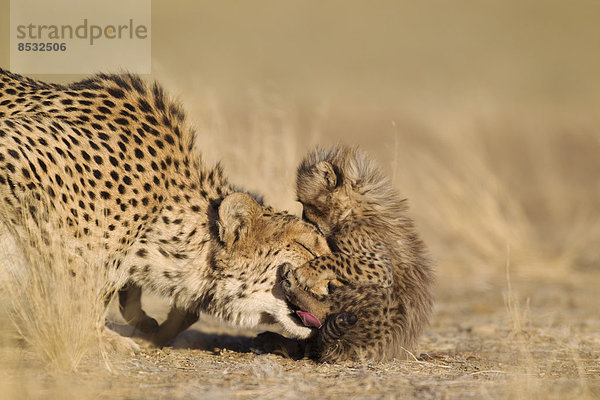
[378, 269]
[115, 162]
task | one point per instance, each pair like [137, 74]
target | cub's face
[321, 191]
[256, 244]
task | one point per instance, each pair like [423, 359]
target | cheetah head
[255, 243]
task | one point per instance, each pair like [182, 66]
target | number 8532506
[25, 46]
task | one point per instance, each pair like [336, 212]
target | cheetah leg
[274, 343]
[177, 321]
[130, 305]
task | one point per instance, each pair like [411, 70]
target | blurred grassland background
[486, 114]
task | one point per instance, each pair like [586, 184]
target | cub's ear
[325, 170]
[237, 214]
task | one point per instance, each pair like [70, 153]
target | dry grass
[54, 301]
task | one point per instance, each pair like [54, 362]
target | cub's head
[336, 185]
[320, 191]
[255, 242]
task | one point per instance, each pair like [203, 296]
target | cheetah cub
[373, 293]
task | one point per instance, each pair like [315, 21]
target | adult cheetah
[110, 163]
[373, 291]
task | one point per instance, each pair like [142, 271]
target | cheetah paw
[113, 342]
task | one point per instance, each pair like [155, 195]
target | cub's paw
[295, 292]
[314, 279]
[309, 307]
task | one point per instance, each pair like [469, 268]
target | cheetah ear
[237, 214]
[326, 171]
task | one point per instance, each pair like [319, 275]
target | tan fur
[378, 270]
[113, 164]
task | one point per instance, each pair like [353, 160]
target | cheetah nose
[286, 269]
[285, 273]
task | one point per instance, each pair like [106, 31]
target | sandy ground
[549, 347]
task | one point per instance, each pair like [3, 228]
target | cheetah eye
[312, 253]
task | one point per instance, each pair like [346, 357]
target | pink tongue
[308, 319]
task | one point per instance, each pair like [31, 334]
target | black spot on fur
[116, 93]
[142, 253]
[144, 106]
[14, 154]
